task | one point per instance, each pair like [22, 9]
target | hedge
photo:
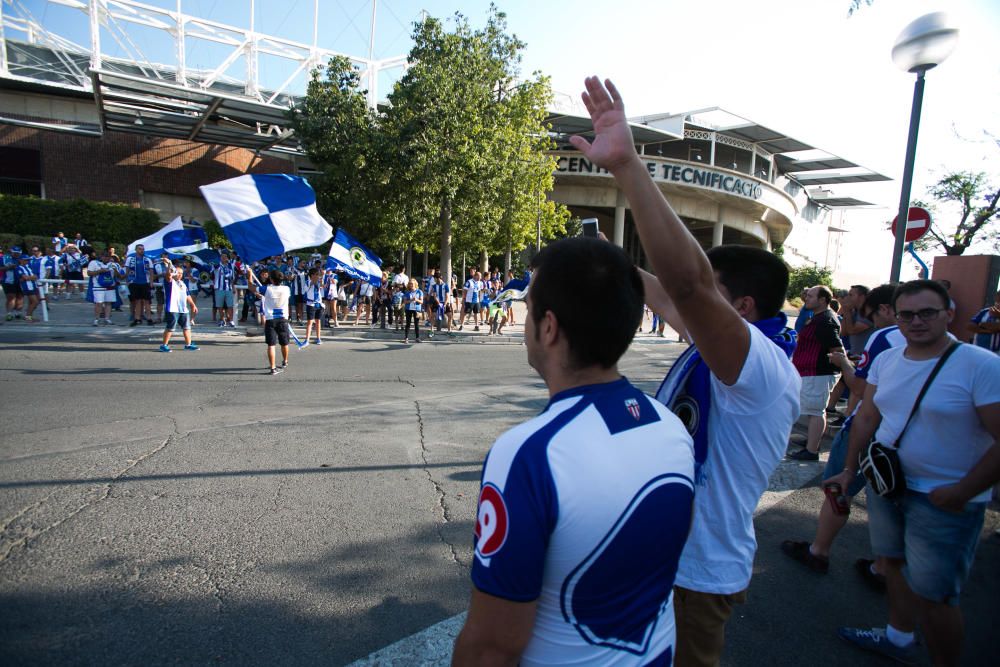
[31, 218]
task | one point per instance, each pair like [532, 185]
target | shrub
[805, 277]
[8, 240]
[97, 221]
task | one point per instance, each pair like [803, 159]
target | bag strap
[927, 385]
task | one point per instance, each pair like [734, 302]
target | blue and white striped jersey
[585, 509]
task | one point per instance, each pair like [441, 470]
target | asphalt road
[187, 508]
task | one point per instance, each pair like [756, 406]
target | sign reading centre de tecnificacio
[681, 173]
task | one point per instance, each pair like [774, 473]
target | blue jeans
[838, 457]
[938, 545]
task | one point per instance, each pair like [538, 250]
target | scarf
[686, 389]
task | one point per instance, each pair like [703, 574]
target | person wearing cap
[12, 283]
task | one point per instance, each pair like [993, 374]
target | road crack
[100, 494]
[438, 489]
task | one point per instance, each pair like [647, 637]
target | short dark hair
[861, 289]
[595, 293]
[754, 272]
[914, 286]
[835, 306]
[313, 272]
[824, 292]
[881, 295]
[277, 277]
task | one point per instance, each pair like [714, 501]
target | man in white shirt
[737, 376]
[180, 307]
[274, 307]
[950, 460]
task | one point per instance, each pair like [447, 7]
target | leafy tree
[806, 277]
[455, 162]
[976, 203]
[339, 132]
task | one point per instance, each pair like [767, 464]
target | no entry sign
[918, 221]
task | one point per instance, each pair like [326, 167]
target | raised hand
[612, 146]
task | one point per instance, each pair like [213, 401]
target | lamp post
[923, 45]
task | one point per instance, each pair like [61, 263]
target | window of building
[20, 171]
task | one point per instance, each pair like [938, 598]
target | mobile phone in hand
[589, 227]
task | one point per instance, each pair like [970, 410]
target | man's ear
[548, 328]
[744, 305]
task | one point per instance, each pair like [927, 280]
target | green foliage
[976, 203]
[457, 158]
[216, 237]
[806, 277]
[97, 221]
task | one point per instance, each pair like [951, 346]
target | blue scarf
[687, 388]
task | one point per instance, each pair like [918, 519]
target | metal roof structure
[565, 125]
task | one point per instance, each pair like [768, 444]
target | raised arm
[681, 266]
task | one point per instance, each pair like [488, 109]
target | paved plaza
[187, 508]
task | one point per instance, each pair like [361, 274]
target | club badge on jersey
[491, 523]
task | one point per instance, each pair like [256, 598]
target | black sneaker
[804, 455]
[276, 371]
[133, 323]
[800, 552]
[875, 581]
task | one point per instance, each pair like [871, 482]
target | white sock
[897, 637]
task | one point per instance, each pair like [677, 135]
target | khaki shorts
[701, 625]
[815, 393]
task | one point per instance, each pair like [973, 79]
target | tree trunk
[507, 259]
[409, 261]
[484, 262]
[425, 261]
[446, 241]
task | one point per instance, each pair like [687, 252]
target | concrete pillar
[619, 238]
[717, 234]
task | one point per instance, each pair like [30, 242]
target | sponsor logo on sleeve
[491, 523]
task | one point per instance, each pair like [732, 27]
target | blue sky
[799, 66]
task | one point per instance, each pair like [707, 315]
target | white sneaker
[97, 323]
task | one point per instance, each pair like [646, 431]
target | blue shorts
[838, 458]
[173, 320]
[223, 298]
[938, 545]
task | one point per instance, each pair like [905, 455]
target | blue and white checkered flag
[267, 214]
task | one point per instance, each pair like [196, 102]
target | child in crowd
[414, 303]
[314, 305]
[397, 305]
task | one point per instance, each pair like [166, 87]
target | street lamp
[923, 44]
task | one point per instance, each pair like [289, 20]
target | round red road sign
[918, 221]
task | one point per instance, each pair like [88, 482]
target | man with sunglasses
[950, 460]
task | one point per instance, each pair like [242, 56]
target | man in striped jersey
[223, 277]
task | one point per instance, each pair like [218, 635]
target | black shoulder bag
[879, 463]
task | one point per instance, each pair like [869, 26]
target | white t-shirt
[275, 302]
[97, 281]
[945, 440]
[748, 432]
[400, 279]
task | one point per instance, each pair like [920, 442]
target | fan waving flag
[179, 242]
[515, 290]
[267, 214]
[347, 254]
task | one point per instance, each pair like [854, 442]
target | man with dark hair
[950, 457]
[583, 511]
[736, 378]
[138, 276]
[818, 338]
[816, 554]
[274, 299]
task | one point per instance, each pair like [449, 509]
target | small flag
[349, 255]
[267, 214]
[515, 290]
[179, 242]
